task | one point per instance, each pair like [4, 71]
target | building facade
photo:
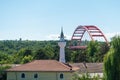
[25, 75]
[40, 70]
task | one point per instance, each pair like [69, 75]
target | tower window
[35, 75]
[22, 75]
[61, 76]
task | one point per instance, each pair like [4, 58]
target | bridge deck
[77, 47]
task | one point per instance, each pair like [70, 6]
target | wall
[41, 76]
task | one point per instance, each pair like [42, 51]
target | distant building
[93, 69]
[41, 70]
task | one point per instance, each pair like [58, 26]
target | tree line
[23, 51]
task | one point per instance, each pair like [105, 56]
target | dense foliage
[112, 60]
[23, 51]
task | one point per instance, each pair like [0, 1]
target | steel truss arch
[79, 32]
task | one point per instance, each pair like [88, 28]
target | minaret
[62, 44]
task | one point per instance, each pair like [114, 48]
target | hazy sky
[42, 19]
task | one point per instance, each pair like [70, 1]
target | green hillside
[23, 51]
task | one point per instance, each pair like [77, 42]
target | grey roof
[89, 67]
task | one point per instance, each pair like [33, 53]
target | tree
[21, 55]
[104, 47]
[49, 51]
[26, 59]
[24, 52]
[92, 50]
[3, 74]
[56, 52]
[5, 58]
[78, 56]
[40, 54]
[112, 60]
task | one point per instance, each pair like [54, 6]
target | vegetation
[19, 51]
[96, 51]
[112, 60]
[85, 76]
[2, 72]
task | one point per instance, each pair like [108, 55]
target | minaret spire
[62, 35]
[62, 44]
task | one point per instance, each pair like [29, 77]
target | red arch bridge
[79, 32]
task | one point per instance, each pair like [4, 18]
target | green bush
[85, 76]
[3, 74]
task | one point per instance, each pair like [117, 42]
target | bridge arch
[79, 32]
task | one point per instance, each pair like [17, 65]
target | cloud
[56, 37]
[68, 37]
[110, 35]
[52, 37]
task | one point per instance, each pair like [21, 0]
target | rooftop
[89, 67]
[42, 65]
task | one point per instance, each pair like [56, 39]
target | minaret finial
[62, 35]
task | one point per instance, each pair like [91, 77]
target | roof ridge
[44, 60]
[64, 65]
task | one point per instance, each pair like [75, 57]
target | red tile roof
[42, 65]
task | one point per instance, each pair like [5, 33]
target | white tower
[62, 44]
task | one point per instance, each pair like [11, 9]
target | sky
[43, 19]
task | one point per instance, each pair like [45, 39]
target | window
[61, 76]
[22, 75]
[35, 75]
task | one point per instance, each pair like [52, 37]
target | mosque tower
[62, 44]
